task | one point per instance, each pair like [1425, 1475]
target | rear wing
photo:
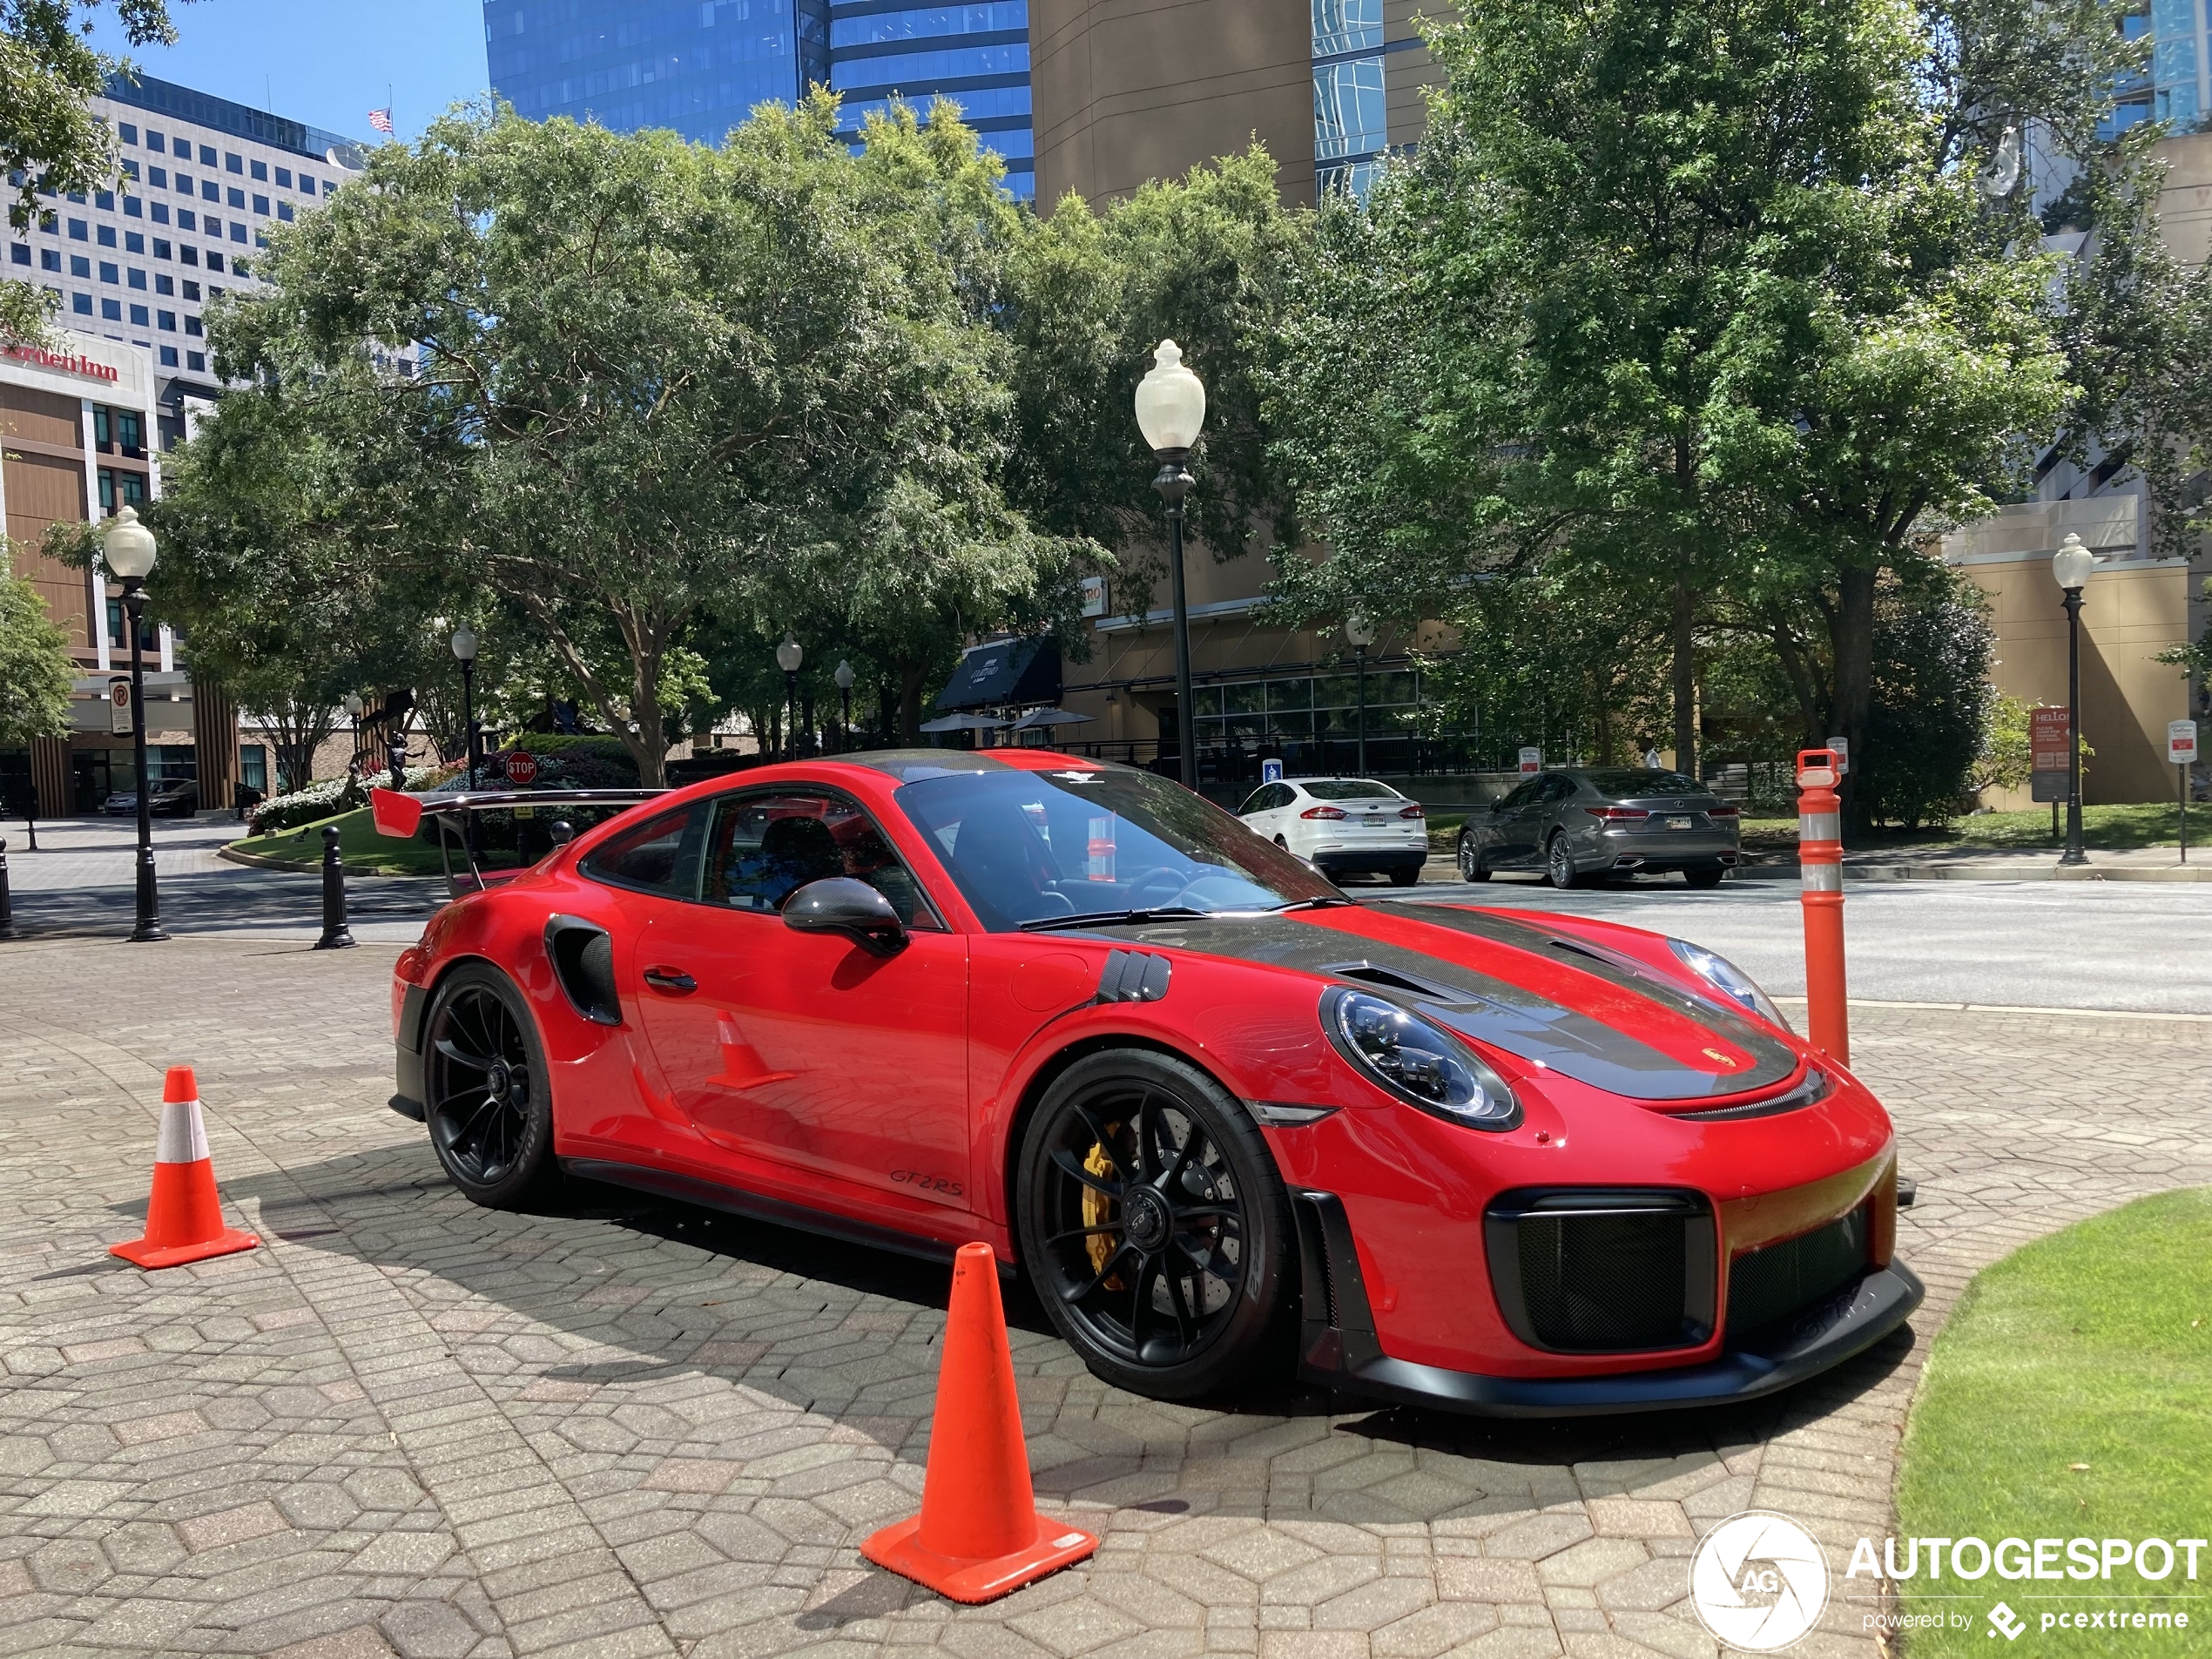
[399, 813]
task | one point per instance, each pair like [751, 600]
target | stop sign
[521, 767]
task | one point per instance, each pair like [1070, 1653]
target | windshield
[1624, 782]
[1349, 789]
[1032, 847]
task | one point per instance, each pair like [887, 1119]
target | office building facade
[86, 419]
[2176, 87]
[700, 68]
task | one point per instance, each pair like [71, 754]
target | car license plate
[1372, 823]
[1678, 823]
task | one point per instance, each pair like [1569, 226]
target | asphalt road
[2122, 946]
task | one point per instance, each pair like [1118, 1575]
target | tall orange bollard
[979, 1535]
[1820, 864]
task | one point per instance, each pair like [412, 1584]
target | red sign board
[2047, 733]
[521, 767]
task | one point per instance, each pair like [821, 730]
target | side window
[1261, 800]
[660, 855]
[1521, 795]
[1559, 788]
[768, 845]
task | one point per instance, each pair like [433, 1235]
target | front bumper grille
[1769, 1286]
[1622, 1270]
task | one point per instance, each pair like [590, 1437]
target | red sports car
[1507, 1162]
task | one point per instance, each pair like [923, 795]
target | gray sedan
[1607, 820]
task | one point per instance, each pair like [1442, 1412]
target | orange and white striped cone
[183, 1216]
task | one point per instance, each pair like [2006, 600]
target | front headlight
[1420, 1062]
[1728, 979]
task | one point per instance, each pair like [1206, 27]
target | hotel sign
[67, 362]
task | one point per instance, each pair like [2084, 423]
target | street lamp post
[1170, 409]
[844, 678]
[2071, 564]
[128, 548]
[353, 707]
[464, 652]
[789, 655]
[1361, 633]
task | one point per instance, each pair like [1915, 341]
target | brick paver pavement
[409, 1424]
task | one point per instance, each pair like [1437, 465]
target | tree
[34, 669]
[50, 139]
[1206, 261]
[659, 384]
[1702, 288]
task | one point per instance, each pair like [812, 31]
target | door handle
[673, 980]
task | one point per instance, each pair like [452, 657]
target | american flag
[380, 119]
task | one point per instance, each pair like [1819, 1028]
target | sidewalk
[1991, 864]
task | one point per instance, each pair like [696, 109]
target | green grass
[2111, 829]
[2071, 1397]
[357, 844]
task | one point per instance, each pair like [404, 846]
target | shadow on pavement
[780, 1311]
[258, 901]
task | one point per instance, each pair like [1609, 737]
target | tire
[1406, 878]
[485, 1093]
[1131, 1119]
[1472, 868]
[1704, 878]
[1559, 862]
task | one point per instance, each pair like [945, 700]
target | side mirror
[838, 904]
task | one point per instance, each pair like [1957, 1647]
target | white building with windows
[204, 179]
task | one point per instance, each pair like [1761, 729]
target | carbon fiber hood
[1546, 997]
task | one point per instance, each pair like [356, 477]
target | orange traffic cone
[183, 1217]
[979, 1535]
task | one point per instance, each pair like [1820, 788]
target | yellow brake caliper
[1098, 1210]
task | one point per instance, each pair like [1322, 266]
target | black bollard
[335, 934]
[7, 905]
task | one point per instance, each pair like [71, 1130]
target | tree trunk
[911, 678]
[644, 733]
[1683, 633]
[1851, 641]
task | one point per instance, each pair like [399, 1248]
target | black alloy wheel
[1559, 861]
[1472, 868]
[490, 1112]
[1153, 1225]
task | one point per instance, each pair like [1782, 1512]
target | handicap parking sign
[1271, 772]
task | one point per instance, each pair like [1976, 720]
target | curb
[1969, 871]
[263, 861]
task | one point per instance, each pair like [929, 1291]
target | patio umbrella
[959, 722]
[1038, 717]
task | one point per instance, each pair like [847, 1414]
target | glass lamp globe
[354, 705]
[844, 677]
[2072, 564]
[790, 654]
[128, 547]
[1360, 631]
[1170, 402]
[464, 643]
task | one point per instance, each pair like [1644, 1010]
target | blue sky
[324, 61]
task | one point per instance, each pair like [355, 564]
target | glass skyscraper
[2177, 86]
[700, 66]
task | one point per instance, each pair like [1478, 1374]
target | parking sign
[1271, 772]
[1532, 760]
[2180, 741]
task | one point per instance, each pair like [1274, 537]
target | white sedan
[1342, 824]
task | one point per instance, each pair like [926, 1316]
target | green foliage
[34, 669]
[1710, 298]
[665, 389]
[48, 136]
[1205, 261]
[2071, 1396]
[2008, 757]
[1932, 656]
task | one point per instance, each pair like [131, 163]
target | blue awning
[1017, 672]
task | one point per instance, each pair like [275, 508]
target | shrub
[330, 798]
[1926, 729]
